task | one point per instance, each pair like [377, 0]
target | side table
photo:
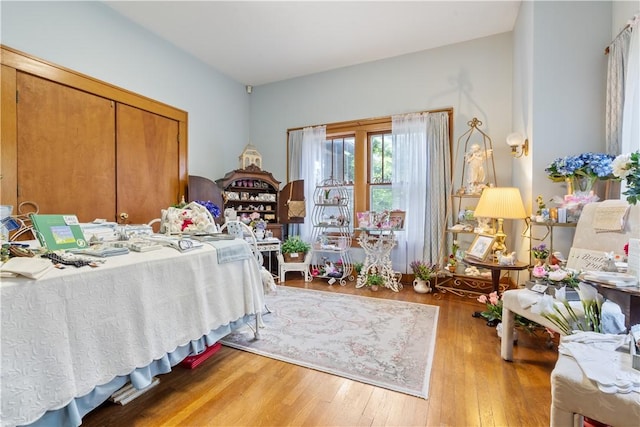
[496, 269]
[377, 245]
[269, 246]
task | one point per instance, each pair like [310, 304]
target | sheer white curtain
[631, 109]
[313, 139]
[616, 68]
[420, 161]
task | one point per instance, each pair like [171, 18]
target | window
[360, 153]
[380, 171]
[338, 161]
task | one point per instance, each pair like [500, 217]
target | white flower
[588, 293]
[561, 293]
[544, 305]
[557, 275]
[621, 165]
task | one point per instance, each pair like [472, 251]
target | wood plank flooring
[470, 384]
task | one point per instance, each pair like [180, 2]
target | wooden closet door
[147, 163]
[65, 149]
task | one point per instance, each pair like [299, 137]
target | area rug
[385, 343]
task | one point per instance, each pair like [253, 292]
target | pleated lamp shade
[500, 202]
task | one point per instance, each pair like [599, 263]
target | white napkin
[31, 267]
[595, 354]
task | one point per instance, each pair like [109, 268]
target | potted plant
[374, 280]
[423, 272]
[540, 253]
[294, 249]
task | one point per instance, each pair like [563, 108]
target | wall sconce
[519, 144]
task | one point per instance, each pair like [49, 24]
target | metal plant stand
[377, 245]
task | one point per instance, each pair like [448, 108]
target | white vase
[421, 286]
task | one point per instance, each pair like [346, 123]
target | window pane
[387, 176]
[381, 159]
[338, 159]
[375, 173]
[327, 159]
[381, 198]
[349, 160]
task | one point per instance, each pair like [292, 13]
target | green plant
[540, 252]
[375, 280]
[358, 267]
[627, 166]
[295, 244]
[423, 270]
[541, 204]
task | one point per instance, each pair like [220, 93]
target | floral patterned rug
[381, 342]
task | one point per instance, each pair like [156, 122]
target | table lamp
[500, 203]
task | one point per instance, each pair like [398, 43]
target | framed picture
[481, 246]
[396, 219]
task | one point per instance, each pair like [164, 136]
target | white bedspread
[74, 329]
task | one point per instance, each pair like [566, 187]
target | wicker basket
[294, 257]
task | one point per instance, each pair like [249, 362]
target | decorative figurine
[475, 158]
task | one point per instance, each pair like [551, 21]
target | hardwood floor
[470, 384]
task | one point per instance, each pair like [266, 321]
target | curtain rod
[606, 49]
[630, 24]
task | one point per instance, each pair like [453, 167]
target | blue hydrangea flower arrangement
[211, 207]
[588, 165]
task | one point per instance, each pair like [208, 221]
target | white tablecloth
[75, 329]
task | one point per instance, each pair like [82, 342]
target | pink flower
[539, 271]
[493, 298]
[482, 299]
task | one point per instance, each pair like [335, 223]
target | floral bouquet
[627, 166]
[555, 274]
[588, 165]
[423, 270]
[493, 313]
[564, 317]
[540, 252]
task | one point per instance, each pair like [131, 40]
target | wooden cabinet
[72, 144]
[252, 190]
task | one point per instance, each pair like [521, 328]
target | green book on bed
[58, 231]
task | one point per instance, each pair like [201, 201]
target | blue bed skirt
[71, 415]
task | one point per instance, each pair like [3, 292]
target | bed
[77, 335]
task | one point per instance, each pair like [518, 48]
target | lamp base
[498, 245]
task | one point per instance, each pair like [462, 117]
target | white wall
[559, 93]
[472, 77]
[553, 91]
[91, 38]
[622, 11]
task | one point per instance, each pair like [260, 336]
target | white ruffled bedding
[75, 329]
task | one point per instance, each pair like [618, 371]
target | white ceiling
[258, 42]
